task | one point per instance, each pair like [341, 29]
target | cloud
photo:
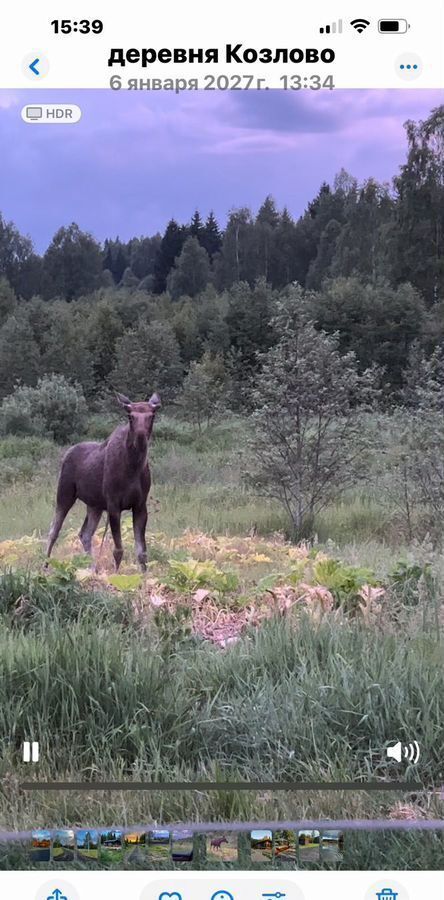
[137, 159]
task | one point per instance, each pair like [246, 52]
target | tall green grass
[303, 702]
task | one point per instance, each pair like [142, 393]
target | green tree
[66, 346]
[72, 264]
[320, 266]
[417, 245]
[309, 437]
[248, 321]
[377, 322]
[170, 248]
[16, 258]
[19, 354]
[414, 471]
[8, 300]
[196, 226]
[361, 247]
[265, 228]
[28, 277]
[328, 205]
[39, 314]
[185, 323]
[236, 260]
[286, 251]
[129, 279]
[191, 271]
[211, 311]
[104, 328]
[143, 254]
[147, 360]
[210, 237]
[115, 259]
[204, 389]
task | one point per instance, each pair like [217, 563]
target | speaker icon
[408, 752]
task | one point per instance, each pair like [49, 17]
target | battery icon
[393, 26]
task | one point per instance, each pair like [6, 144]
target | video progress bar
[203, 786]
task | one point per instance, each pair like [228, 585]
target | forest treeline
[369, 260]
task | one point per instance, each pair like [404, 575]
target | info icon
[409, 66]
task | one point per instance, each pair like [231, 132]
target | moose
[216, 843]
[110, 477]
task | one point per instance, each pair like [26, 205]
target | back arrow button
[35, 65]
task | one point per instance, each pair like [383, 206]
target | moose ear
[124, 401]
[154, 401]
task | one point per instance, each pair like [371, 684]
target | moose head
[140, 415]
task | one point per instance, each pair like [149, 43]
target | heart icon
[167, 896]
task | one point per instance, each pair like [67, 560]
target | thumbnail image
[111, 845]
[63, 846]
[41, 846]
[136, 846]
[182, 846]
[261, 846]
[222, 846]
[285, 850]
[332, 846]
[159, 845]
[88, 844]
[309, 843]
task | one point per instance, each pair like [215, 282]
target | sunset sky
[137, 159]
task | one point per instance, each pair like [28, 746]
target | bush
[22, 456]
[54, 408]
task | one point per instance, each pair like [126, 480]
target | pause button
[31, 751]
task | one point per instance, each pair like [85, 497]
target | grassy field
[238, 657]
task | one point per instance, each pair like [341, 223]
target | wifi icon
[360, 25]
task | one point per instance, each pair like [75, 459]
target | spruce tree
[211, 237]
[170, 248]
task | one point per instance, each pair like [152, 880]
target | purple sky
[137, 159]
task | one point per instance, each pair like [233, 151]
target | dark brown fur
[110, 477]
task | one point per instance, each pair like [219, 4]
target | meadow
[240, 656]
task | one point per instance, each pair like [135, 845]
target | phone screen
[221, 444]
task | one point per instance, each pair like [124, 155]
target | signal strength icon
[360, 25]
[334, 28]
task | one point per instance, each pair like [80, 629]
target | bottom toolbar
[223, 885]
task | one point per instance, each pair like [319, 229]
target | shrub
[54, 408]
[22, 456]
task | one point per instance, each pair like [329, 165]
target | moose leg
[89, 527]
[114, 522]
[59, 518]
[140, 518]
